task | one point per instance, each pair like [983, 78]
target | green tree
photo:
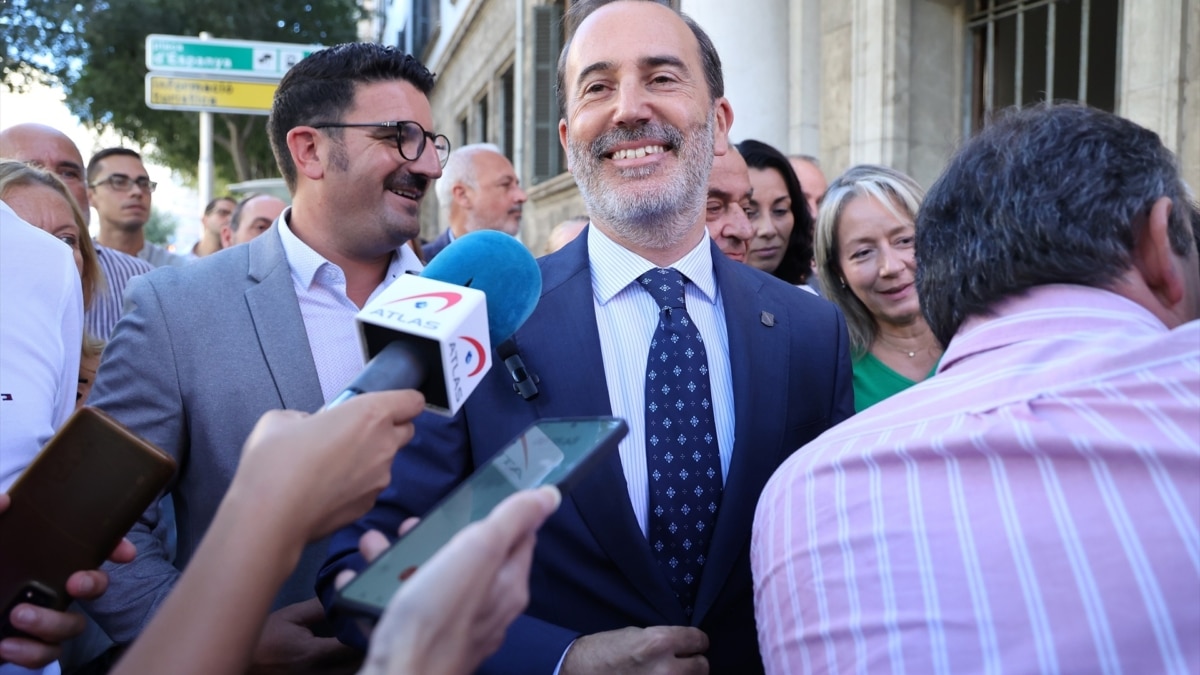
[160, 227]
[96, 50]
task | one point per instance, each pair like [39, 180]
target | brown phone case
[73, 504]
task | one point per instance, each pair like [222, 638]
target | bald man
[251, 217]
[812, 180]
[52, 150]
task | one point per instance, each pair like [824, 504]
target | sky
[45, 106]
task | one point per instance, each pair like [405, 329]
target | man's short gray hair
[460, 169]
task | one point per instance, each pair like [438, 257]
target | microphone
[435, 332]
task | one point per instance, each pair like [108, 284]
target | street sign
[243, 58]
[182, 92]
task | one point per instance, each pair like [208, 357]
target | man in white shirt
[41, 328]
[643, 116]
[349, 133]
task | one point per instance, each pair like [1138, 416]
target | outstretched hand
[455, 610]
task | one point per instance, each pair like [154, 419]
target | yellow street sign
[175, 92]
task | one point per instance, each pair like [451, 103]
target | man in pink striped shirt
[1034, 507]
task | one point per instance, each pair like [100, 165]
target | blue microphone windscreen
[501, 267]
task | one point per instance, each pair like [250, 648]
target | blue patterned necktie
[682, 459]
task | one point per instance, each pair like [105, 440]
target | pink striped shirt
[1032, 508]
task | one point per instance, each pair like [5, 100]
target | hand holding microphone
[435, 332]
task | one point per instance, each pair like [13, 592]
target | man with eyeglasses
[206, 349]
[121, 191]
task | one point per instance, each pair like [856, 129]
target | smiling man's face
[641, 127]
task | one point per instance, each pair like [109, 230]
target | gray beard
[657, 219]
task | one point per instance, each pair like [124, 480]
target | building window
[1029, 51]
[482, 120]
[427, 21]
[548, 158]
[464, 137]
[507, 96]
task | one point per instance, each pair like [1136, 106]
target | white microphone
[426, 333]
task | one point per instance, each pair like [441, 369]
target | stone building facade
[894, 82]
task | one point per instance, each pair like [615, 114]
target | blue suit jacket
[592, 568]
[435, 247]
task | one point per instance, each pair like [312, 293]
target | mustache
[408, 182]
[603, 144]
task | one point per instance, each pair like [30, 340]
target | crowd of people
[871, 428]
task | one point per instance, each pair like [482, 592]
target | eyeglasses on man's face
[410, 137]
[119, 182]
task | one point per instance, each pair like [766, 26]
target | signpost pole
[205, 168]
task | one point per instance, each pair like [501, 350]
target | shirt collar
[306, 262]
[614, 267]
[1049, 312]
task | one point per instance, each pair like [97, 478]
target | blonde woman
[43, 200]
[865, 262]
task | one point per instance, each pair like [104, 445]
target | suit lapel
[579, 387]
[275, 311]
[756, 352]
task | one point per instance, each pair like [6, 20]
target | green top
[874, 381]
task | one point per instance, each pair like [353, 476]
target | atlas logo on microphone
[427, 301]
[445, 329]
[467, 359]
[414, 310]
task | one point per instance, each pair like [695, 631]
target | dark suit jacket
[201, 353]
[435, 247]
[592, 568]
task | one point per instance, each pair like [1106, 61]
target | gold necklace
[911, 353]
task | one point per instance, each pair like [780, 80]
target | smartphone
[72, 505]
[555, 451]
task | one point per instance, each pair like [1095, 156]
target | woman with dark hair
[782, 243]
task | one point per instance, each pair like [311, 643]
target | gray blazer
[201, 352]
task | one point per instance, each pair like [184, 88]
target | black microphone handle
[396, 366]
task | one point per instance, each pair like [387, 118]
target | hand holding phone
[42, 630]
[467, 595]
[71, 507]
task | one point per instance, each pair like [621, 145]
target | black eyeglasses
[410, 137]
[122, 183]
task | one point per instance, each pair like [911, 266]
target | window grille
[1028, 51]
[548, 159]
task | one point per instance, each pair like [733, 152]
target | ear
[226, 236]
[461, 196]
[1154, 260]
[563, 137]
[303, 145]
[722, 121]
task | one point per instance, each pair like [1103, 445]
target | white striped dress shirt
[107, 302]
[1032, 509]
[327, 311]
[626, 316]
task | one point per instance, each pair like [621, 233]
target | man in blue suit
[640, 92]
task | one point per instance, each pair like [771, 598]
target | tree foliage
[160, 227]
[96, 50]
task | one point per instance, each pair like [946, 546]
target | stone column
[751, 37]
[1159, 67]
[804, 81]
[880, 39]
